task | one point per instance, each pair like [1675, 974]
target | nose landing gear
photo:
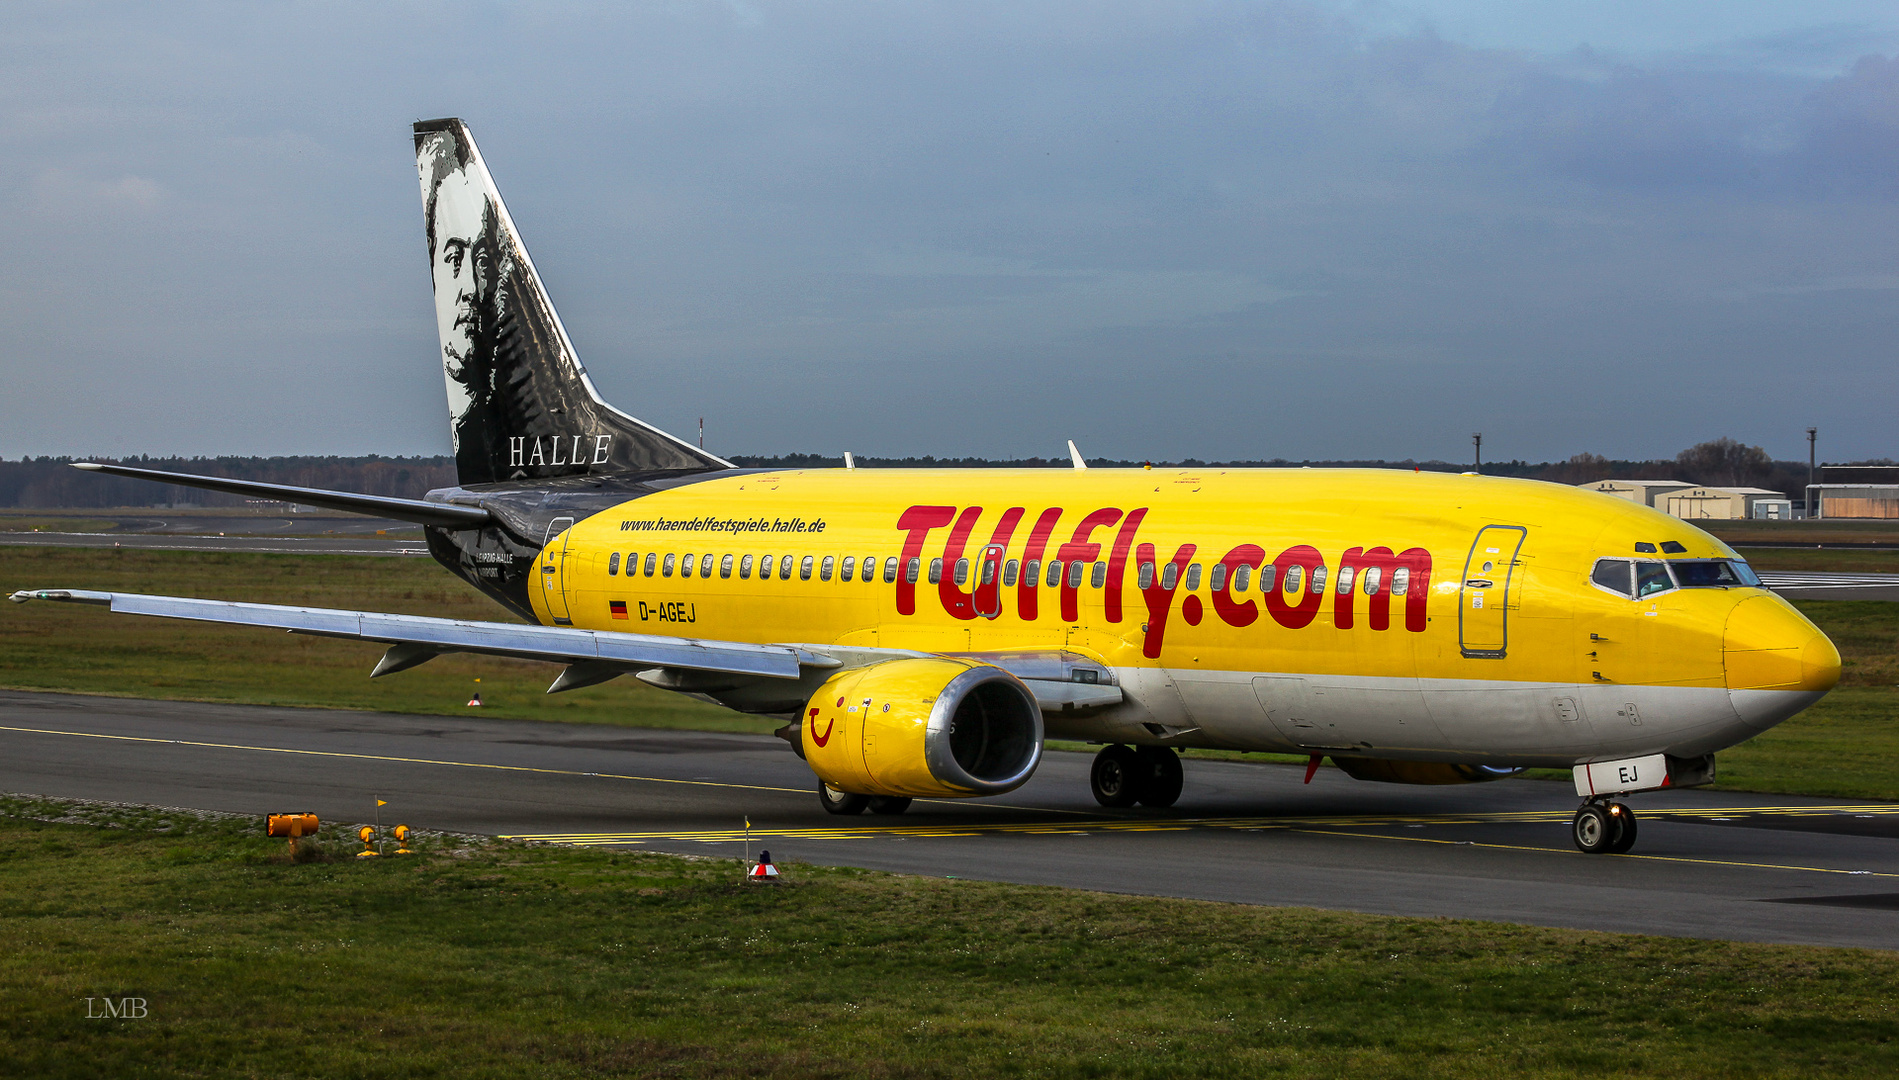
[1603, 828]
[1123, 776]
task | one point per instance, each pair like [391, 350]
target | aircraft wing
[592, 656]
[422, 512]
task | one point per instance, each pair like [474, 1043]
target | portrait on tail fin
[467, 263]
[520, 403]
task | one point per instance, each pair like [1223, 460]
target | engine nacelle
[1389, 771]
[923, 726]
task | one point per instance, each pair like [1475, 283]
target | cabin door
[554, 570]
[1484, 599]
[988, 593]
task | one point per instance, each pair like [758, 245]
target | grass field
[1848, 745]
[475, 960]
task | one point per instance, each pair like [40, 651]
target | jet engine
[923, 726]
[1390, 771]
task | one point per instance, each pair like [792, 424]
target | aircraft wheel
[841, 802]
[1116, 777]
[1623, 819]
[888, 804]
[1161, 776]
[1593, 830]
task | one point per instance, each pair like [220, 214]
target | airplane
[921, 633]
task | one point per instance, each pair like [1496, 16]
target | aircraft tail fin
[520, 403]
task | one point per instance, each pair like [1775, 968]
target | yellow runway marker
[484, 765]
[1321, 825]
[400, 760]
[1565, 851]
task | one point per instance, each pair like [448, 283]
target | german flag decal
[618, 607]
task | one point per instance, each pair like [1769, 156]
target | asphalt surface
[1707, 864]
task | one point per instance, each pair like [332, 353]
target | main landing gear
[1123, 776]
[843, 802]
[1603, 828]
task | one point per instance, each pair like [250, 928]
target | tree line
[47, 482]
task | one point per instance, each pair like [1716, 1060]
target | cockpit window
[1714, 573]
[1613, 575]
[1652, 578]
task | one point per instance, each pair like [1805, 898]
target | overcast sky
[1326, 230]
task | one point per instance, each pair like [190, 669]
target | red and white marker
[764, 870]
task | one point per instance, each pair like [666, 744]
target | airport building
[1856, 491]
[1692, 502]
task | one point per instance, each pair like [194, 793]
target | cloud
[1214, 230]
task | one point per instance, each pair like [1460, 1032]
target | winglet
[69, 596]
[1074, 455]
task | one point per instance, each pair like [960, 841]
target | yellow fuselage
[1408, 614]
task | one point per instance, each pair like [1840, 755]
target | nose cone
[1769, 645]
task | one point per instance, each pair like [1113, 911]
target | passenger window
[962, 571]
[1170, 574]
[1193, 577]
[988, 571]
[1216, 578]
[784, 567]
[725, 566]
[849, 570]
[1345, 581]
[804, 568]
[1074, 573]
[1372, 575]
[1318, 578]
[1099, 576]
[870, 569]
[1054, 573]
[765, 563]
[1613, 575]
[1031, 573]
[685, 566]
[1267, 574]
[936, 571]
[1652, 578]
[652, 559]
[1008, 573]
[613, 564]
[1145, 580]
[1400, 580]
[909, 572]
[666, 568]
[824, 568]
[1295, 576]
[1242, 577]
[745, 568]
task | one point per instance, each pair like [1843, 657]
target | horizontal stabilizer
[559, 644]
[446, 515]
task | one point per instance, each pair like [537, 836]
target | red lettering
[1290, 616]
[958, 603]
[1378, 606]
[1079, 548]
[985, 593]
[1038, 542]
[1418, 590]
[1231, 612]
[1118, 564]
[916, 523]
[1159, 601]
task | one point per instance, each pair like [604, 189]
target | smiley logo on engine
[826, 737]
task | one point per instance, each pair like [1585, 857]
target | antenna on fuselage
[849, 461]
[1074, 455]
